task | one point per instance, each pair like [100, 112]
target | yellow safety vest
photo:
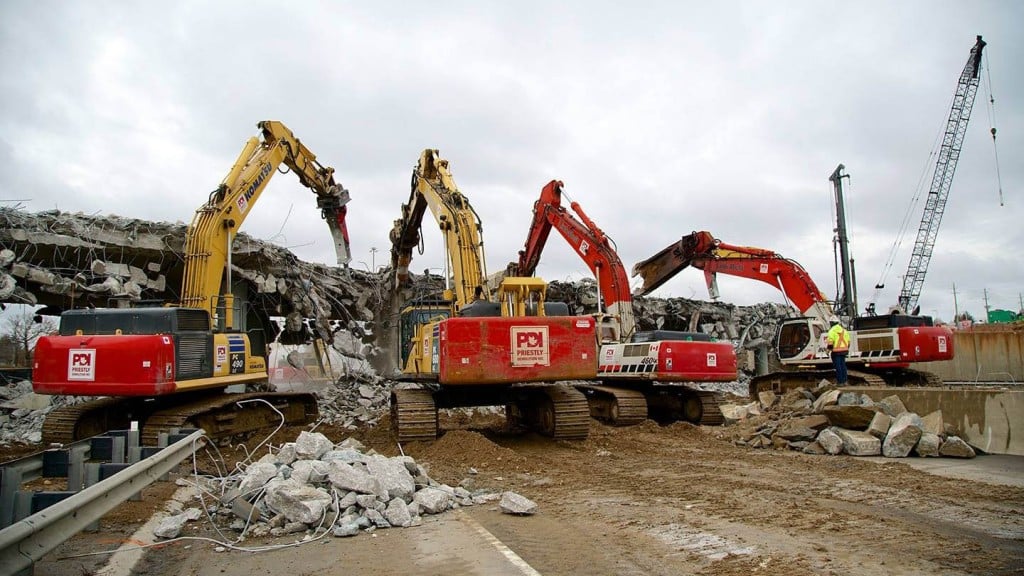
[839, 338]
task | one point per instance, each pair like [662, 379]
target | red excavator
[642, 374]
[882, 347]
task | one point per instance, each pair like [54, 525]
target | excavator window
[793, 338]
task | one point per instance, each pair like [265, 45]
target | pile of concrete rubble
[316, 487]
[827, 420]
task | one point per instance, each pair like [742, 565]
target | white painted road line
[512, 557]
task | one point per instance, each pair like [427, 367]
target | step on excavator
[645, 374]
[169, 367]
[477, 346]
[882, 347]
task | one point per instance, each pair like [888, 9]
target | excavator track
[615, 406]
[69, 423]
[705, 409]
[218, 414]
[413, 415]
[782, 382]
[226, 416]
[561, 412]
[668, 404]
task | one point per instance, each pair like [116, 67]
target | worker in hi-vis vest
[838, 341]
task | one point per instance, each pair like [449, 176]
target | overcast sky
[661, 118]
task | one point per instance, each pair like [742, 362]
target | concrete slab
[1002, 469]
[990, 419]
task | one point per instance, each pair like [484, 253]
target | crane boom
[942, 179]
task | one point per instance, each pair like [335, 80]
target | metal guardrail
[28, 540]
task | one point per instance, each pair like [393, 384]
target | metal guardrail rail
[27, 540]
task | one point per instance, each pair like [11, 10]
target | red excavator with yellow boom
[168, 367]
[882, 348]
[478, 346]
[642, 374]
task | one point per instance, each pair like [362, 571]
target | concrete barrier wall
[990, 420]
[982, 357]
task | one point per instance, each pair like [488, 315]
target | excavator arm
[705, 252]
[209, 237]
[589, 242]
[433, 187]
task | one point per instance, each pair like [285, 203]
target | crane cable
[992, 126]
[907, 215]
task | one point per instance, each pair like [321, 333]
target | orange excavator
[882, 347]
[642, 374]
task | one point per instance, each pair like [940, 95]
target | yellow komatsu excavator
[169, 367]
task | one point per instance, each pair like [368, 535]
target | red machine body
[475, 351]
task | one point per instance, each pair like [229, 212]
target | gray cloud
[661, 119]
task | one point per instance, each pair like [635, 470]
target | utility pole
[956, 307]
[847, 304]
[985, 292]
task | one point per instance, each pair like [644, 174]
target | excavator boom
[433, 187]
[705, 252]
[209, 237]
[590, 243]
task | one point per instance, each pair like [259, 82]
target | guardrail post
[10, 483]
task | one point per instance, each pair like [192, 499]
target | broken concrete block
[903, 436]
[815, 448]
[6, 257]
[256, 477]
[159, 283]
[397, 513]
[346, 477]
[933, 423]
[792, 432]
[733, 413]
[512, 503]
[827, 398]
[849, 417]
[392, 476]
[879, 426]
[298, 502]
[955, 447]
[857, 443]
[892, 405]
[928, 445]
[767, 398]
[433, 500]
[311, 445]
[830, 441]
[170, 527]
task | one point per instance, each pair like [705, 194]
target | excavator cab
[800, 339]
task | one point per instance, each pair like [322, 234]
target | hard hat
[833, 320]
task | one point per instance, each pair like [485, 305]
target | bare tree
[21, 332]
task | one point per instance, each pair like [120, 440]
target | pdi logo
[530, 346]
[82, 364]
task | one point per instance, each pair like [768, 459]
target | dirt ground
[640, 500]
